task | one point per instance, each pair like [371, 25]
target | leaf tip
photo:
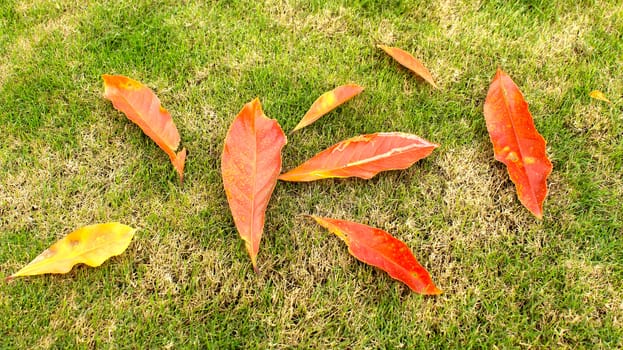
[538, 213]
[285, 177]
[433, 290]
[178, 163]
[297, 127]
[255, 103]
[9, 279]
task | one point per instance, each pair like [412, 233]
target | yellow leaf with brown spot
[598, 95]
[90, 245]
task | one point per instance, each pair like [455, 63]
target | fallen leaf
[598, 95]
[143, 107]
[410, 62]
[90, 245]
[327, 102]
[378, 248]
[363, 156]
[250, 165]
[516, 142]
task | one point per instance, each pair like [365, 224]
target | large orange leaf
[378, 248]
[363, 156]
[250, 165]
[516, 142]
[410, 62]
[143, 107]
[327, 102]
[90, 245]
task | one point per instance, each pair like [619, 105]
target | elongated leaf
[327, 102]
[90, 245]
[250, 165]
[598, 95]
[410, 62]
[378, 248]
[143, 107]
[363, 156]
[516, 142]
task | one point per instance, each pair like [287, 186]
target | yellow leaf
[90, 245]
[598, 95]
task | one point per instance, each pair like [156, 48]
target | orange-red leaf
[327, 102]
[410, 62]
[143, 107]
[378, 248]
[250, 165]
[516, 142]
[363, 156]
[90, 245]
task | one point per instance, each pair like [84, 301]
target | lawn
[68, 159]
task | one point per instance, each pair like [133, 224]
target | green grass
[68, 159]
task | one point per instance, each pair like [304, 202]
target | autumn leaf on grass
[143, 107]
[250, 165]
[598, 95]
[378, 248]
[516, 142]
[327, 102]
[410, 62]
[363, 156]
[90, 245]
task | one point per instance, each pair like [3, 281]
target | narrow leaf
[516, 142]
[363, 156]
[327, 102]
[90, 245]
[143, 107]
[410, 62]
[598, 95]
[378, 248]
[250, 165]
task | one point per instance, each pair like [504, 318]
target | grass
[68, 159]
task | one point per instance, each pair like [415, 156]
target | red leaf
[143, 107]
[363, 156]
[410, 62]
[250, 165]
[516, 142]
[327, 102]
[378, 248]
